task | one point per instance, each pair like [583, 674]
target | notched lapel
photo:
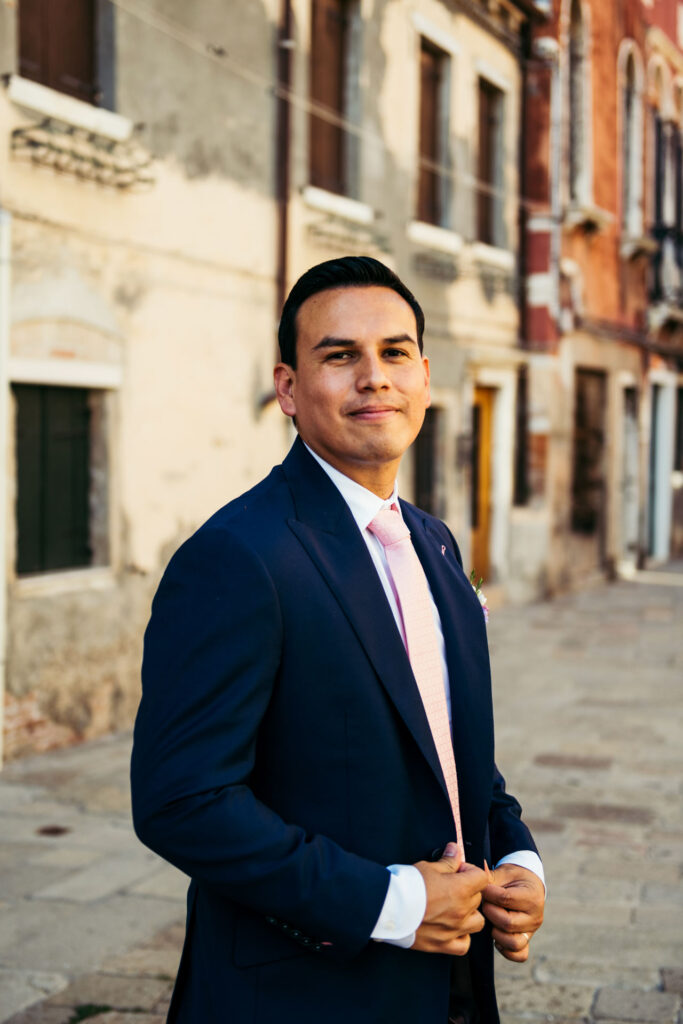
[344, 562]
[464, 632]
[328, 533]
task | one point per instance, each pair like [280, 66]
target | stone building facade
[603, 311]
[167, 170]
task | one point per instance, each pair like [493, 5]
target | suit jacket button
[271, 920]
[436, 853]
[317, 947]
[295, 933]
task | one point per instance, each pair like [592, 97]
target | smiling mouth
[373, 412]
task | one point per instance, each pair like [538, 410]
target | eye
[395, 352]
[338, 357]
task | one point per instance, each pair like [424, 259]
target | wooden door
[482, 434]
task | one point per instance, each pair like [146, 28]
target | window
[577, 105]
[632, 151]
[588, 490]
[57, 45]
[335, 51]
[433, 178]
[61, 478]
[490, 164]
[426, 462]
[521, 467]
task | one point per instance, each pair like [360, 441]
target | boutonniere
[480, 594]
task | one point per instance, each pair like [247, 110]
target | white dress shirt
[406, 900]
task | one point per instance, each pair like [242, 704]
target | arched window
[632, 149]
[577, 104]
[664, 191]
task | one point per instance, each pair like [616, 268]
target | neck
[380, 479]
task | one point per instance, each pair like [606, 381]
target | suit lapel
[464, 633]
[328, 532]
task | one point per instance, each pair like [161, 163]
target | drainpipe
[283, 115]
[5, 252]
[522, 215]
[282, 155]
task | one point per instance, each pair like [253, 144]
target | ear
[284, 378]
[428, 393]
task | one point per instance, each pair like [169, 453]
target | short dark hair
[345, 272]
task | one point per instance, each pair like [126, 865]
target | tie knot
[388, 527]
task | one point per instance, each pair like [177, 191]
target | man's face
[360, 387]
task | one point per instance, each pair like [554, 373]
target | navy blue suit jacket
[282, 758]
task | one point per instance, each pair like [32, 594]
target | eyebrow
[330, 341]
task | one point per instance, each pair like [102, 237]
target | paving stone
[577, 971]
[20, 988]
[103, 878]
[622, 1004]
[667, 922]
[567, 1000]
[632, 870]
[65, 857]
[119, 992]
[550, 1018]
[114, 1017]
[672, 979]
[587, 914]
[41, 1014]
[73, 937]
[584, 889]
[166, 882]
[658, 893]
[12, 796]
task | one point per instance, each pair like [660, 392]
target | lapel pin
[443, 549]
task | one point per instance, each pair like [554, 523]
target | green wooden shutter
[53, 460]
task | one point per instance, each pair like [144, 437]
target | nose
[372, 374]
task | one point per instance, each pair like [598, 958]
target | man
[329, 788]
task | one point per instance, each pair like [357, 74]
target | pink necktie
[412, 592]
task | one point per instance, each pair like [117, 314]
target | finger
[459, 946]
[511, 943]
[452, 857]
[474, 923]
[508, 920]
[511, 899]
[515, 958]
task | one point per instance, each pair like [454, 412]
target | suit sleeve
[507, 831]
[211, 657]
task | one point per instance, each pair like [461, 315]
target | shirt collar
[364, 505]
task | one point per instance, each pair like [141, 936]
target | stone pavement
[589, 695]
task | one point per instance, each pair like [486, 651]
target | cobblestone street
[589, 702]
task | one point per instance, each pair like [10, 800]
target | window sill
[587, 216]
[431, 236]
[340, 206]
[633, 246]
[40, 99]
[64, 581]
[493, 256]
[663, 313]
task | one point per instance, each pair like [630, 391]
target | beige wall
[164, 296]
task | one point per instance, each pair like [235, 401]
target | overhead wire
[219, 55]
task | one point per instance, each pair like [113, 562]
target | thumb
[453, 856]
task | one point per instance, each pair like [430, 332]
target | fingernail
[451, 850]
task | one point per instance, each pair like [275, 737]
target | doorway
[480, 512]
[629, 480]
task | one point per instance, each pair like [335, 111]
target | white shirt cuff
[525, 859]
[404, 907]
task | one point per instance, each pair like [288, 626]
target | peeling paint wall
[161, 300]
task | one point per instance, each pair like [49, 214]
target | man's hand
[454, 892]
[513, 903]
